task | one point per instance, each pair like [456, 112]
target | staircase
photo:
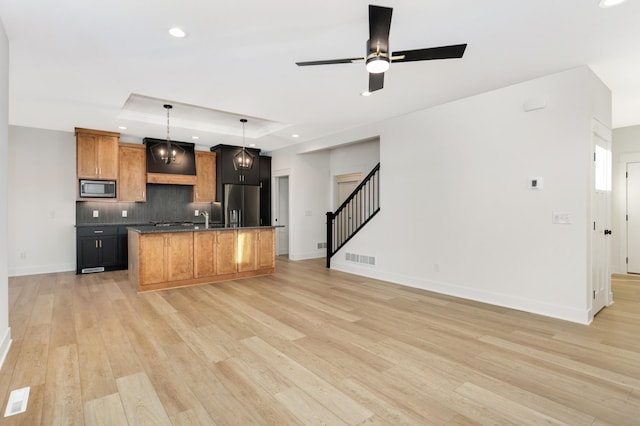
[358, 209]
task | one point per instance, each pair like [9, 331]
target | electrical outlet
[96, 213]
[124, 213]
[197, 213]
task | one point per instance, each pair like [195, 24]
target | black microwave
[97, 188]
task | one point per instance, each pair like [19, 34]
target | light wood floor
[310, 346]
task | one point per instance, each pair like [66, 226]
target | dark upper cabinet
[265, 190]
[228, 171]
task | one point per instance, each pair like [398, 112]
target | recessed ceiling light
[610, 3]
[195, 137]
[122, 127]
[252, 145]
[367, 93]
[295, 135]
[177, 32]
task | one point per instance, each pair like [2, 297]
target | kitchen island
[177, 256]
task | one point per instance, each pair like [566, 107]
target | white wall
[626, 148]
[41, 201]
[308, 195]
[456, 214]
[312, 173]
[5, 331]
[355, 158]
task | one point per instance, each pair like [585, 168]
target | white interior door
[345, 185]
[601, 217]
[633, 218]
[282, 215]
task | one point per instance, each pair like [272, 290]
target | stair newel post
[329, 238]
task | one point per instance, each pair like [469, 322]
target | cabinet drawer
[96, 231]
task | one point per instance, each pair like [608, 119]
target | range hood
[180, 170]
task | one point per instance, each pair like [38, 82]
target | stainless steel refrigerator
[241, 205]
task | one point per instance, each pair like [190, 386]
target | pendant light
[168, 154]
[243, 160]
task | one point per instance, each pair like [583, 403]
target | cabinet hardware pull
[96, 243]
[100, 243]
[98, 232]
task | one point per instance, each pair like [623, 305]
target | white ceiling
[75, 63]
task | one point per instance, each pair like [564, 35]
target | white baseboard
[5, 345]
[40, 269]
[504, 300]
[306, 256]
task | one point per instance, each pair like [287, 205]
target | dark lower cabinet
[101, 248]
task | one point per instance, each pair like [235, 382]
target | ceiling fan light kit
[377, 64]
[378, 59]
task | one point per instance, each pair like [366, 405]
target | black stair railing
[358, 209]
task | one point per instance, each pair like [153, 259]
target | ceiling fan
[379, 58]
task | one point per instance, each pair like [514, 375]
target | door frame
[602, 132]
[622, 237]
[275, 205]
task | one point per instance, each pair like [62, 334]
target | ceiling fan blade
[376, 81]
[379, 25]
[442, 52]
[330, 62]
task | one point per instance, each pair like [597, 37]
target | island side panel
[134, 262]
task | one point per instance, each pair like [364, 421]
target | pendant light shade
[243, 160]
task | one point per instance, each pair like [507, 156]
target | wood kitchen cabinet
[132, 176]
[96, 154]
[214, 253]
[160, 260]
[165, 257]
[256, 249]
[204, 191]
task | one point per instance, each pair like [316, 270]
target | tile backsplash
[164, 203]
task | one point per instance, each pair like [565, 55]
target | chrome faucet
[206, 219]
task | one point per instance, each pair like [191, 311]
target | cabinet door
[265, 190]
[152, 259]
[108, 250]
[204, 190]
[180, 256]
[226, 252]
[86, 154]
[132, 180]
[204, 254]
[266, 248]
[107, 160]
[228, 172]
[88, 252]
[247, 250]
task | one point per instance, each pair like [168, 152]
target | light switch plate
[562, 218]
[96, 213]
[124, 213]
[196, 213]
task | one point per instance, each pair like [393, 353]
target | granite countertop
[151, 229]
